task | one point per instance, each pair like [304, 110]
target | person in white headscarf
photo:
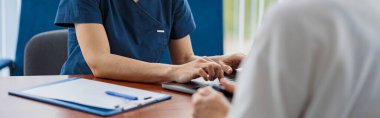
[311, 59]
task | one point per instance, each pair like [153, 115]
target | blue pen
[129, 97]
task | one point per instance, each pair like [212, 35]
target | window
[241, 21]
[9, 20]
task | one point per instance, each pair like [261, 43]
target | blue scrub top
[135, 30]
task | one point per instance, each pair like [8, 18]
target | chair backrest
[45, 53]
[36, 16]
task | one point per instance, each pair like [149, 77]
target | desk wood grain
[16, 107]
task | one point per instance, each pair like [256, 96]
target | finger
[210, 60]
[210, 70]
[206, 71]
[220, 72]
[217, 69]
[221, 75]
[226, 68]
[203, 74]
[204, 91]
[210, 93]
[196, 98]
[228, 86]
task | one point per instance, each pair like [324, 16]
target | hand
[209, 70]
[208, 103]
[230, 62]
[228, 86]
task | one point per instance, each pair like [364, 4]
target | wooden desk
[15, 107]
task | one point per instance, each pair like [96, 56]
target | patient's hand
[208, 103]
[228, 86]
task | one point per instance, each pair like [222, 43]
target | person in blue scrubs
[124, 40]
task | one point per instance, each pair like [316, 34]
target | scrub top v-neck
[135, 30]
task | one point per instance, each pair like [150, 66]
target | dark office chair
[36, 16]
[45, 53]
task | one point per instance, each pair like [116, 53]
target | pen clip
[121, 95]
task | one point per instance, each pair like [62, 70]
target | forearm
[93, 41]
[121, 68]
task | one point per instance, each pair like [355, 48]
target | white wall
[9, 24]
[1, 20]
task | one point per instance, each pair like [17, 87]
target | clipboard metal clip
[130, 105]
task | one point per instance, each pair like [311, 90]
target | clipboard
[87, 108]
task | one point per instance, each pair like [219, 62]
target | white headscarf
[313, 59]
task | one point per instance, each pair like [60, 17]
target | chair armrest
[6, 63]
